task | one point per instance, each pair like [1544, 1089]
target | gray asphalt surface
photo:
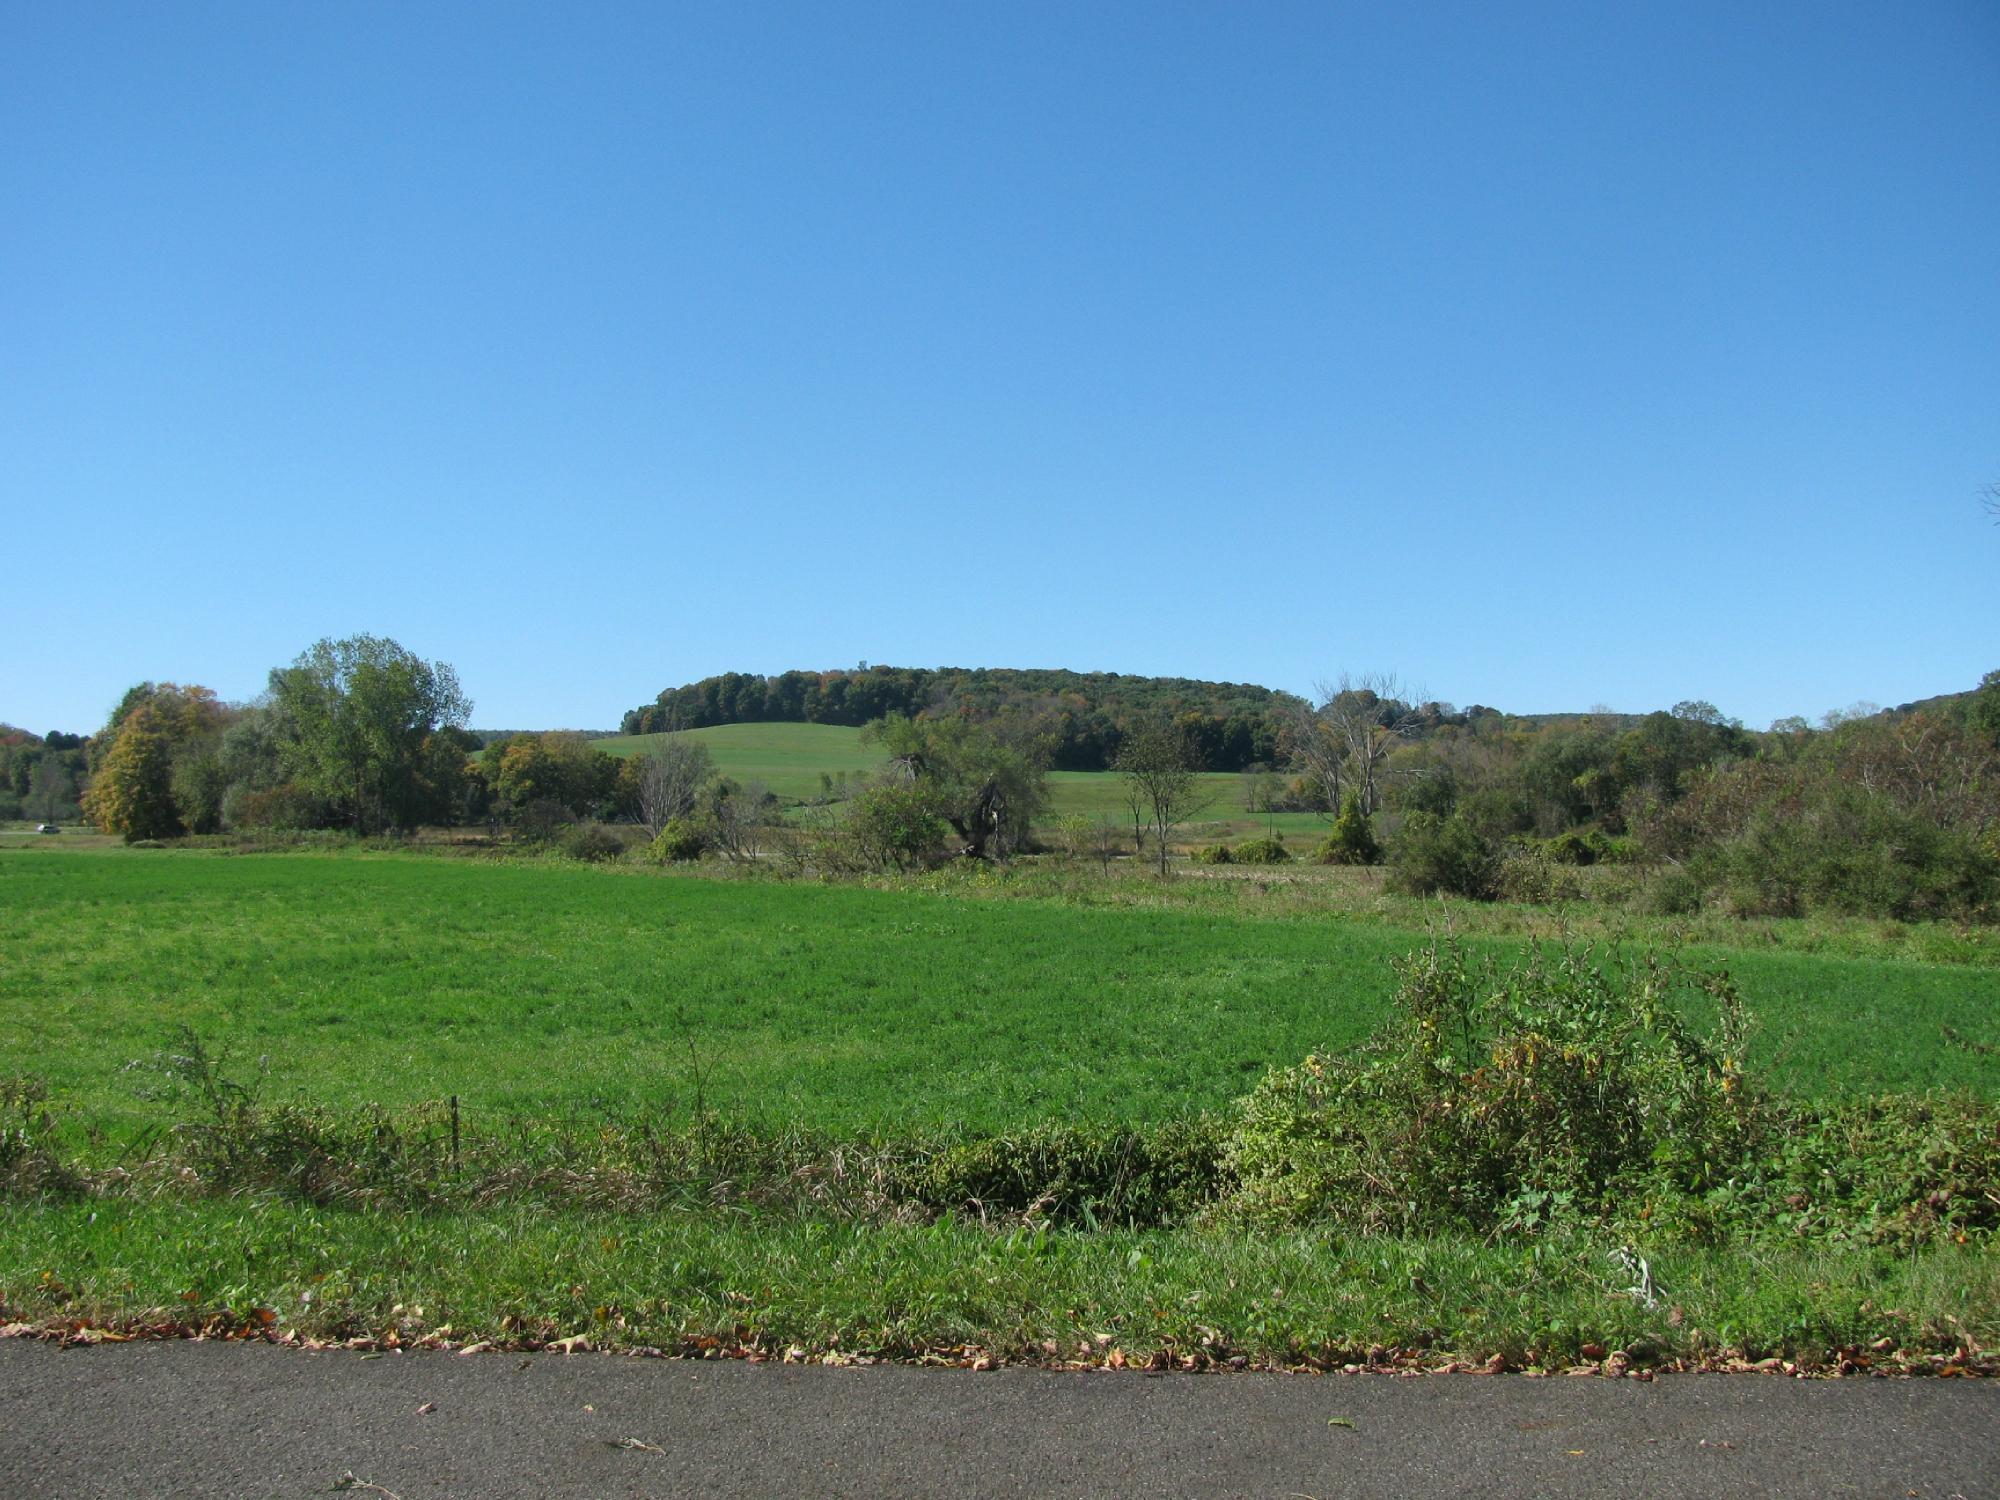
[200, 1419]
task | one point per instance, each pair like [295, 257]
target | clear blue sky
[1548, 354]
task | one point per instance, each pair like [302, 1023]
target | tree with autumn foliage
[133, 790]
[558, 767]
[148, 762]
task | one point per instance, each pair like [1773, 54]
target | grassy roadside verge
[773, 1287]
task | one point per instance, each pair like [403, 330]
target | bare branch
[671, 780]
[1359, 720]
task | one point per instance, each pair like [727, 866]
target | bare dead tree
[676, 770]
[1316, 751]
[739, 818]
[1103, 843]
[1359, 721]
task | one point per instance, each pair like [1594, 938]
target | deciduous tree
[1347, 738]
[985, 789]
[133, 792]
[673, 773]
[1160, 781]
[352, 718]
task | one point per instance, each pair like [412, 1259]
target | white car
[47, 828]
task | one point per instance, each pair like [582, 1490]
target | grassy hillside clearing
[787, 758]
[790, 758]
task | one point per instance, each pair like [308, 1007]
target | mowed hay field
[787, 758]
[790, 758]
[551, 988]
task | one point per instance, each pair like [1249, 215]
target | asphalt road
[204, 1419]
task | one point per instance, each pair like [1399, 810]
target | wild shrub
[31, 1162]
[1214, 854]
[1073, 835]
[1070, 1174]
[1265, 851]
[225, 1138]
[1449, 855]
[541, 819]
[1888, 817]
[1532, 877]
[591, 842]
[1851, 852]
[1352, 839]
[896, 825]
[680, 841]
[1899, 1170]
[1497, 1097]
[286, 806]
[1670, 891]
[1577, 846]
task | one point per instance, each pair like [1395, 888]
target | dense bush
[1570, 1091]
[592, 842]
[1850, 852]
[1670, 891]
[1080, 1175]
[1264, 851]
[542, 819]
[1352, 839]
[286, 806]
[896, 824]
[1880, 817]
[1496, 1096]
[1534, 878]
[679, 841]
[1214, 854]
[1580, 846]
[1433, 855]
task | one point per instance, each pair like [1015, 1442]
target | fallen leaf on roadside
[427, 1408]
[637, 1445]
[348, 1481]
[1347, 1422]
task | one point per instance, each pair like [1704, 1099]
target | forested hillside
[1082, 717]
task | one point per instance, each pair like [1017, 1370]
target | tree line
[1894, 814]
[357, 734]
[1889, 814]
[1079, 719]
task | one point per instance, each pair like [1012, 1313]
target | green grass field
[789, 759]
[572, 995]
[554, 988]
